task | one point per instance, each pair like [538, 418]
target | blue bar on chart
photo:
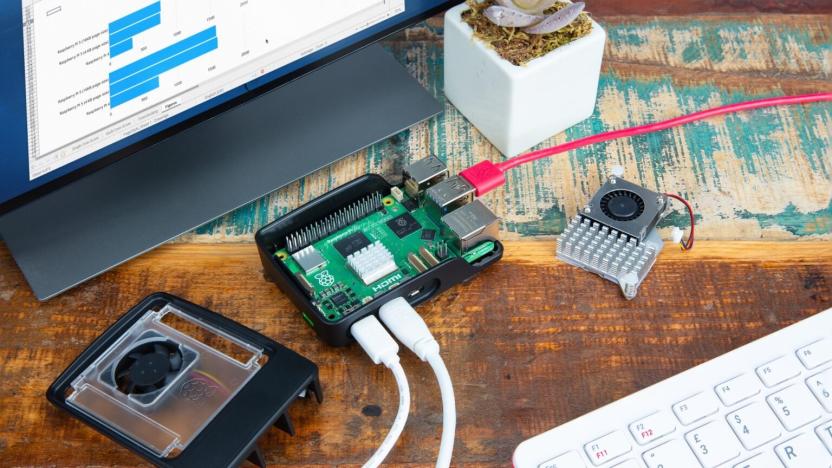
[134, 92]
[163, 54]
[122, 30]
[125, 81]
[138, 28]
[121, 47]
[162, 67]
[133, 18]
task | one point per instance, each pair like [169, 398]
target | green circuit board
[414, 239]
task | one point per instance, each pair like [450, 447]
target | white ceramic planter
[517, 107]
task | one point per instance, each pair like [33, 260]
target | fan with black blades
[622, 205]
[148, 367]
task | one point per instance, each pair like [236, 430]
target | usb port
[449, 195]
[422, 174]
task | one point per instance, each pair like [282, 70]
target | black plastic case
[418, 289]
[230, 438]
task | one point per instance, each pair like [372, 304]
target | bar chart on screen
[115, 68]
[174, 49]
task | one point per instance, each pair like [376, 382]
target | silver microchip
[309, 258]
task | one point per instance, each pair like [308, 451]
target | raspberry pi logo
[325, 279]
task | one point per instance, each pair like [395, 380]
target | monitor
[124, 124]
[84, 81]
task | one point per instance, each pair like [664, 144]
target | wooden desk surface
[531, 343]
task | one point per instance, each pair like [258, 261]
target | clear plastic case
[165, 379]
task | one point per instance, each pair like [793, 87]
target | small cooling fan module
[622, 205]
[615, 235]
[153, 364]
[183, 386]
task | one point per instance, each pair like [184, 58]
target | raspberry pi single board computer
[343, 255]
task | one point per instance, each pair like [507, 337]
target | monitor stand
[108, 217]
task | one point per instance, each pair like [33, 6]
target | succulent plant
[529, 15]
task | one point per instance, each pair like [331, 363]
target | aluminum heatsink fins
[611, 254]
[372, 263]
[615, 235]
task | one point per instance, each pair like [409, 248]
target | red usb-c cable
[485, 176]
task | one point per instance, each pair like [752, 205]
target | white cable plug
[382, 349]
[676, 235]
[407, 325]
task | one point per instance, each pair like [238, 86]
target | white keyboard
[767, 404]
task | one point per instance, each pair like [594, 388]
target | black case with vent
[231, 437]
[416, 290]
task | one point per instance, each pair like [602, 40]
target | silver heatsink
[609, 253]
[372, 263]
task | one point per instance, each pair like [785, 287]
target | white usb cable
[382, 349]
[407, 325]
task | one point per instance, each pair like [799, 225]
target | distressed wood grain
[555, 343]
[698, 7]
[758, 175]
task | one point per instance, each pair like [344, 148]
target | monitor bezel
[258, 90]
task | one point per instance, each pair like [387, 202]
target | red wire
[487, 176]
[654, 127]
[689, 244]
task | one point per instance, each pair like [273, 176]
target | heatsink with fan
[615, 235]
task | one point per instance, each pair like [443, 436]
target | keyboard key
[671, 454]
[652, 427]
[606, 448]
[804, 451]
[794, 406]
[762, 460]
[824, 432]
[737, 389]
[815, 354]
[754, 425]
[696, 407]
[628, 464]
[778, 370]
[713, 444]
[821, 386]
[567, 460]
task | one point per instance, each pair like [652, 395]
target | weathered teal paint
[697, 39]
[798, 223]
[692, 53]
[754, 139]
[713, 43]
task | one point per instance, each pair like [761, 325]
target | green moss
[517, 46]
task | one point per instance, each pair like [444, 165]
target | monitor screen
[87, 79]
